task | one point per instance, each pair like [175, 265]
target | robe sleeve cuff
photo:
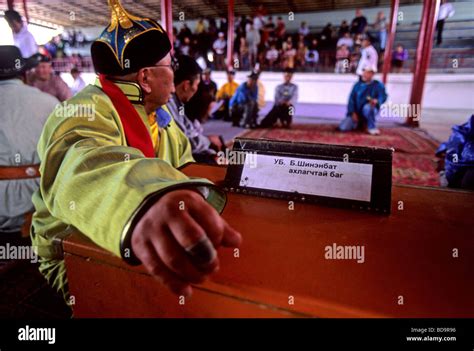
[214, 195]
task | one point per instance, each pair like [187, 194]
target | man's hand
[355, 118]
[177, 238]
[374, 102]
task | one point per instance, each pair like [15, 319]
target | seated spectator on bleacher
[343, 29]
[365, 100]
[301, 54]
[326, 37]
[286, 95]
[45, 80]
[78, 83]
[197, 108]
[186, 82]
[342, 59]
[219, 47]
[303, 30]
[359, 23]
[369, 56]
[272, 56]
[244, 104]
[289, 55]
[346, 40]
[312, 59]
[399, 56]
[224, 94]
[22, 38]
[24, 112]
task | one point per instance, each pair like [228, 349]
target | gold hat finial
[119, 16]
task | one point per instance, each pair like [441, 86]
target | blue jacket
[361, 91]
[244, 94]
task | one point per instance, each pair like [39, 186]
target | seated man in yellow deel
[108, 167]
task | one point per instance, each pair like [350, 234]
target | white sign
[343, 180]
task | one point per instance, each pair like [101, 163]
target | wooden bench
[408, 269]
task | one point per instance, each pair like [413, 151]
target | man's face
[206, 76]
[358, 13]
[365, 43]
[251, 82]
[44, 70]
[287, 77]
[190, 88]
[367, 75]
[230, 77]
[159, 81]
[15, 26]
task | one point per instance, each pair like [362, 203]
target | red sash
[136, 133]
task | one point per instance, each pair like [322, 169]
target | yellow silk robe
[91, 181]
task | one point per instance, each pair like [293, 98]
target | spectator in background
[288, 56]
[272, 56]
[243, 105]
[22, 38]
[312, 56]
[253, 40]
[223, 96]
[380, 27]
[345, 40]
[343, 29]
[286, 95]
[399, 56]
[303, 30]
[326, 36]
[185, 47]
[342, 59]
[78, 83]
[81, 39]
[446, 10]
[24, 112]
[45, 80]
[268, 31]
[301, 54]
[244, 53]
[186, 82]
[359, 23]
[365, 100]
[200, 26]
[197, 108]
[219, 47]
[369, 56]
[223, 25]
[280, 30]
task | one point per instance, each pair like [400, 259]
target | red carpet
[413, 161]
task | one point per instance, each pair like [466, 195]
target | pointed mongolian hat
[128, 43]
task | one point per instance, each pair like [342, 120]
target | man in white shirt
[446, 10]
[219, 47]
[22, 38]
[369, 56]
[78, 83]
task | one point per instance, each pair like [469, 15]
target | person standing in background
[446, 10]
[24, 112]
[22, 38]
[78, 83]
[45, 80]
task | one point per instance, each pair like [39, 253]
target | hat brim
[26, 65]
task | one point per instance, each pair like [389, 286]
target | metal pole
[423, 56]
[230, 33]
[167, 19]
[387, 61]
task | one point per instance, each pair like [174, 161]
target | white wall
[446, 91]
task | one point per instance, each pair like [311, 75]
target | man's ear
[143, 80]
